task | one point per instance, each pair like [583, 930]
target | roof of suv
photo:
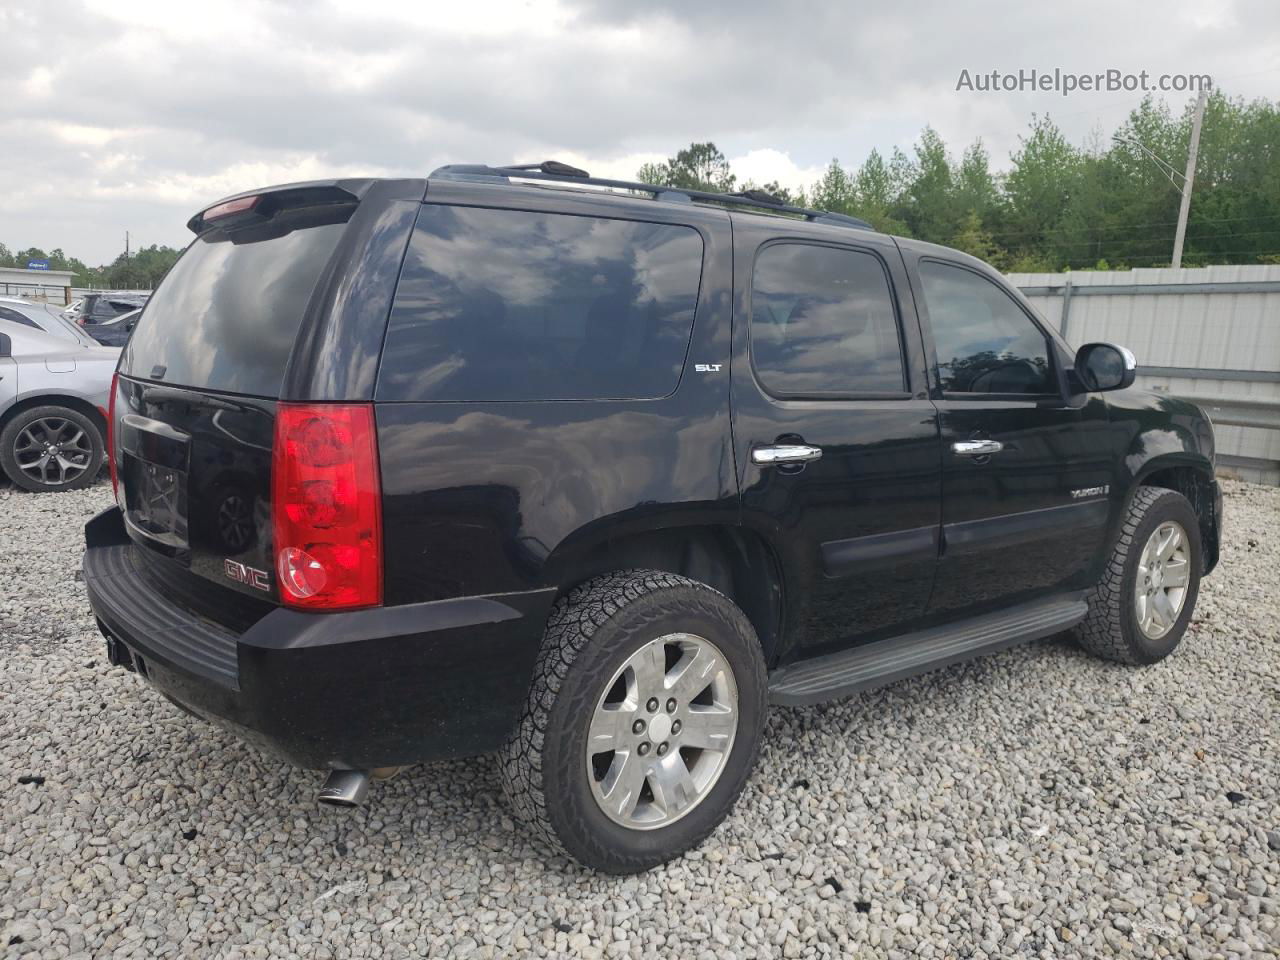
[549, 173]
[559, 174]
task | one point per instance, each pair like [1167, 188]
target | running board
[849, 671]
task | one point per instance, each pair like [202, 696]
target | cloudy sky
[121, 115]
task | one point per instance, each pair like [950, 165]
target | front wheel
[642, 723]
[1140, 608]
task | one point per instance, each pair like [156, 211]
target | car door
[835, 439]
[1026, 475]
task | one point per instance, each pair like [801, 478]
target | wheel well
[737, 562]
[78, 404]
[1197, 487]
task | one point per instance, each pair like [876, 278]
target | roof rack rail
[557, 172]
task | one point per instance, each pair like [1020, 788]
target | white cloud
[143, 110]
[767, 165]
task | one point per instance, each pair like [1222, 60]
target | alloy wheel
[662, 731]
[53, 451]
[1164, 571]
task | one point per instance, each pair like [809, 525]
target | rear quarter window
[515, 305]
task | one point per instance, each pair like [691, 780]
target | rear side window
[16, 317]
[823, 323]
[226, 316]
[513, 305]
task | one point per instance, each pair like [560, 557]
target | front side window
[985, 343]
[515, 305]
[823, 323]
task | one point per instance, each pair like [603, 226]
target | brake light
[111, 438]
[326, 506]
[230, 207]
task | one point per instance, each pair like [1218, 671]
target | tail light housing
[111, 438]
[326, 506]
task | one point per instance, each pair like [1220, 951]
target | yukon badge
[249, 576]
[1101, 491]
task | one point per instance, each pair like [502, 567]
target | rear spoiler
[259, 205]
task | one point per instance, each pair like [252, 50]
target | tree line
[1103, 205]
[140, 270]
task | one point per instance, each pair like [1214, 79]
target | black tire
[591, 633]
[10, 436]
[1111, 629]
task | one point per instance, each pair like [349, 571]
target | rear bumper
[370, 688]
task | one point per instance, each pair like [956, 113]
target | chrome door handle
[785, 453]
[976, 448]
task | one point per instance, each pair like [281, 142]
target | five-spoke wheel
[51, 448]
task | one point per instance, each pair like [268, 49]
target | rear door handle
[976, 448]
[785, 453]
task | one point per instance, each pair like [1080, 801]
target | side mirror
[1105, 366]
[6, 345]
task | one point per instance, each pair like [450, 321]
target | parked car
[501, 460]
[45, 317]
[114, 332]
[98, 308]
[53, 408]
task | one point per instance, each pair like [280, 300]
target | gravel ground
[1032, 803]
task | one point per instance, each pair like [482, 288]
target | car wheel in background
[51, 448]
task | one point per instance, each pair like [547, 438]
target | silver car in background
[46, 317]
[54, 392]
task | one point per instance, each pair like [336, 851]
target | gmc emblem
[249, 576]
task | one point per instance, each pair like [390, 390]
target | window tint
[511, 305]
[823, 322]
[985, 343]
[225, 317]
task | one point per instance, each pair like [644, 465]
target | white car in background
[54, 392]
[46, 317]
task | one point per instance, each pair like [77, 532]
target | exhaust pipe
[344, 788]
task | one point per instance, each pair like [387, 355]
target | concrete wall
[1211, 334]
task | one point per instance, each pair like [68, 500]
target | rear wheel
[1140, 608]
[51, 448]
[642, 723]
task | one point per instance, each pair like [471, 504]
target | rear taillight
[326, 506]
[111, 438]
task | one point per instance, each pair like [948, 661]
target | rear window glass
[512, 305]
[226, 316]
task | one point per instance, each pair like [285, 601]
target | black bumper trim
[124, 601]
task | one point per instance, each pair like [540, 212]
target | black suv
[588, 472]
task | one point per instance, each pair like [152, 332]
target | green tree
[836, 190]
[700, 166]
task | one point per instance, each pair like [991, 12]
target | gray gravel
[1033, 803]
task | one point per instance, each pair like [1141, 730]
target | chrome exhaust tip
[344, 788]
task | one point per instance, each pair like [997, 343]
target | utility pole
[1185, 207]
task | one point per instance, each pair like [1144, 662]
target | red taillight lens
[111, 438]
[326, 506]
